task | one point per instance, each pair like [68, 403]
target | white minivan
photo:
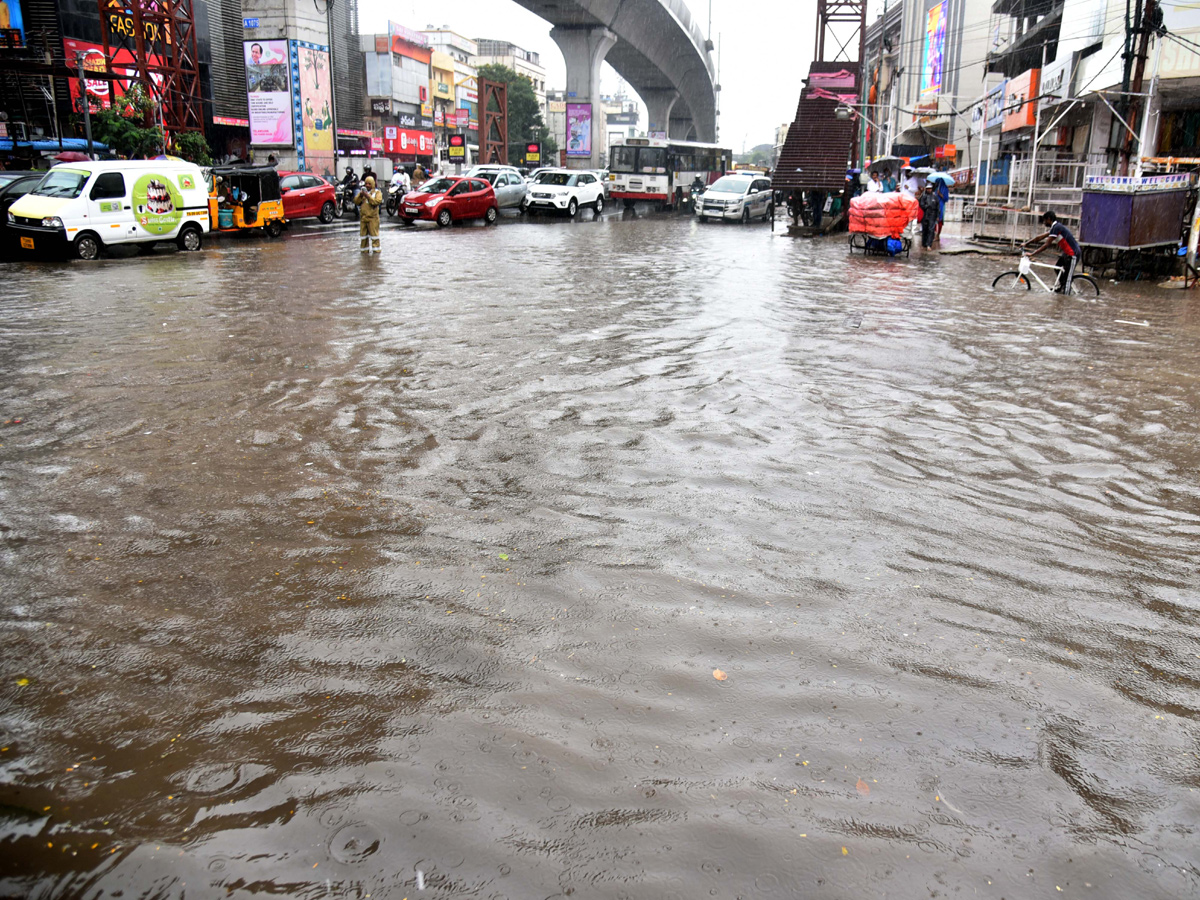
[85, 206]
[740, 196]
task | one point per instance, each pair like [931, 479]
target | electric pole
[1146, 24]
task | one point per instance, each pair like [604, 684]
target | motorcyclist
[400, 180]
[349, 178]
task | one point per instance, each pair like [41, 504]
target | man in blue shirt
[1069, 252]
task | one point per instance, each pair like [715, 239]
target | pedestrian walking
[368, 200]
[928, 203]
[943, 192]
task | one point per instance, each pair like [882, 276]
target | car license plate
[26, 243]
[411, 210]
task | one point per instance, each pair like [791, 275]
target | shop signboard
[268, 93]
[579, 129]
[1057, 82]
[533, 152]
[557, 106]
[458, 148]
[462, 116]
[439, 118]
[1019, 112]
[377, 144]
[993, 105]
[935, 50]
[407, 142]
[312, 102]
[398, 36]
[381, 107]
[408, 120]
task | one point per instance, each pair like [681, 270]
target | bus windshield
[639, 160]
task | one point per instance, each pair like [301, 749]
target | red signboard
[123, 64]
[407, 142]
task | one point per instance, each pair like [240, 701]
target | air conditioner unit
[19, 131]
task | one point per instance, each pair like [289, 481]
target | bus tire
[629, 204]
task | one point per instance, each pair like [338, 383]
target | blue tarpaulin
[6, 145]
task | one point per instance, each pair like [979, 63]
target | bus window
[622, 159]
[653, 160]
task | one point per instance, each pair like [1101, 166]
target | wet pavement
[608, 559]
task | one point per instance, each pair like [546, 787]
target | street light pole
[87, 104]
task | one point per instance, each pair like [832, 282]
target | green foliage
[123, 126]
[525, 121]
[193, 147]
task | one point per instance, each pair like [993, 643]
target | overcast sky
[761, 69]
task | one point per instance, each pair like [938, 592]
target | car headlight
[12, 220]
[433, 202]
[52, 222]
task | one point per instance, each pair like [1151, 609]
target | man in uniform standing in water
[368, 200]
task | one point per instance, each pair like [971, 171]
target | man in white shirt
[912, 184]
[873, 186]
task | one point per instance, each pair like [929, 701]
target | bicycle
[1081, 285]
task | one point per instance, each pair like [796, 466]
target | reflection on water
[330, 577]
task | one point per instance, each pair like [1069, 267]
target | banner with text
[268, 91]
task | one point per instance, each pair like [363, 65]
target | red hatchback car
[450, 199]
[306, 195]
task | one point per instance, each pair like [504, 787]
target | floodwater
[603, 559]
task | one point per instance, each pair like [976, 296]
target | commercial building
[397, 79]
[454, 89]
[523, 62]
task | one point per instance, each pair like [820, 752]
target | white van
[86, 206]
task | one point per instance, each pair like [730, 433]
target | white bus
[662, 171]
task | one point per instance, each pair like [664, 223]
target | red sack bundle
[882, 215]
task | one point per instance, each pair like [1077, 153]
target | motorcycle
[396, 193]
[345, 199]
[694, 194]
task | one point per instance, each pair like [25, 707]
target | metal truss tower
[841, 30]
[158, 39]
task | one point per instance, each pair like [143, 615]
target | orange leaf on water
[719, 675]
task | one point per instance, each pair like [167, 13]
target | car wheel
[489, 217]
[274, 228]
[328, 211]
[87, 246]
[523, 207]
[444, 218]
[746, 217]
[572, 208]
[190, 239]
[404, 220]
[599, 204]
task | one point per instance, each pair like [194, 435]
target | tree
[127, 127]
[525, 121]
[192, 146]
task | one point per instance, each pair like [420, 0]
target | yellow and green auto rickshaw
[243, 198]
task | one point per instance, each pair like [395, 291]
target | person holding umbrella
[941, 182]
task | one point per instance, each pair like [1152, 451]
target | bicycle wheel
[1084, 286]
[1011, 281]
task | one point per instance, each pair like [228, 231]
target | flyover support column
[682, 130]
[659, 102]
[583, 50]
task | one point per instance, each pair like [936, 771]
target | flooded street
[613, 559]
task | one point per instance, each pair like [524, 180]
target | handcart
[878, 223]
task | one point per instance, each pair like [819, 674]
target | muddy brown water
[408, 577]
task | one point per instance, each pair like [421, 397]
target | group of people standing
[931, 197]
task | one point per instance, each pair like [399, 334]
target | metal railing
[1010, 213]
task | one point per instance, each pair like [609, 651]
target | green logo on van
[110, 206]
[157, 204]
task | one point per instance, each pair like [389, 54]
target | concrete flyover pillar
[659, 102]
[583, 50]
[682, 130]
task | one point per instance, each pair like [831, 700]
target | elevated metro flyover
[655, 45]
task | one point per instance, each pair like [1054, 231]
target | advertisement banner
[993, 106]
[97, 88]
[12, 21]
[1019, 112]
[935, 46]
[268, 92]
[311, 106]
[579, 129]
[1058, 82]
[407, 142]
[463, 116]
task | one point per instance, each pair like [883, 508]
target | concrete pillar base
[659, 102]
[682, 130]
[583, 50]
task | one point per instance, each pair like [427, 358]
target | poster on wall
[268, 93]
[579, 129]
[12, 21]
[312, 99]
[935, 47]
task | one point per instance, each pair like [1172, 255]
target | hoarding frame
[274, 105]
[934, 63]
[579, 122]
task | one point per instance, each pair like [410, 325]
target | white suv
[508, 183]
[737, 197]
[565, 190]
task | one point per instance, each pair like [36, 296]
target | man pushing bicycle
[1060, 235]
